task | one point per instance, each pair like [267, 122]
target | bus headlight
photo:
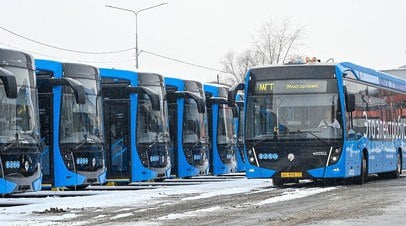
[26, 166]
[335, 155]
[251, 157]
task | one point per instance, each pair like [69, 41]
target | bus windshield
[194, 129]
[225, 125]
[81, 122]
[152, 125]
[294, 109]
[19, 121]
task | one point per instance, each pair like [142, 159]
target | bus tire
[362, 179]
[77, 187]
[277, 182]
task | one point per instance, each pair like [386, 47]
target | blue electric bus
[136, 126]
[71, 124]
[323, 121]
[221, 119]
[20, 168]
[188, 127]
[238, 128]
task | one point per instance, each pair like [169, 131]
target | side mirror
[77, 87]
[153, 96]
[350, 102]
[9, 82]
[201, 104]
[233, 92]
[235, 111]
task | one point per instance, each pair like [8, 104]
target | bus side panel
[376, 154]
[390, 157]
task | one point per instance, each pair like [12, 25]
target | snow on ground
[295, 194]
[19, 215]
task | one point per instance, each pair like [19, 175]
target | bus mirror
[78, 90]
[154, 97]
[9, 82]
[77, 87]
[233, 92]
[350, 102]
[201, 104]
[235, 111]
[240, 103]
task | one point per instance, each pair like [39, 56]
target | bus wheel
[362, 179]
[277, 182]
[398, 171]
[78, 187]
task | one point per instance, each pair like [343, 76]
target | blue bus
[71, 124]
[221, 120]
[20, 147]
[323, 122]
[188, 127]
[238, 128]
[136, 125]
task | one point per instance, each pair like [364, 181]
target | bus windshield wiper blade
[309, 132]
[84, 141]
[7, 146]
[14, 142]
[268, 137]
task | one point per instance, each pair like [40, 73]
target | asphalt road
[379, 202]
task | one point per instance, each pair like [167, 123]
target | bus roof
[361, 73]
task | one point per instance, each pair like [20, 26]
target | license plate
[291, 174]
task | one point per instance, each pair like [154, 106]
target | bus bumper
[256, 172]
[6, 187]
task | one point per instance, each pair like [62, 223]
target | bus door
[46, 122]
[117, 132]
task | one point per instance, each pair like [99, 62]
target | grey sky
[367, 32]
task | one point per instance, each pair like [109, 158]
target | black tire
[161, 179]
[78, 187]
[277, 182]
[363, 178]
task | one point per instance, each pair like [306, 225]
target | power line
[183, 62]
[58, 57]
[105, 52]
[64, 49]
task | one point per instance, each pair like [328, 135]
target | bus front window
[194, 124]
[19, 119]
[81, 122]
[151, 125]
[288, 114]
[225, 125]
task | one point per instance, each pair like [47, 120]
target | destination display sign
[290, 86]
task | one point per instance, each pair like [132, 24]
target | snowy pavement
[52, 209]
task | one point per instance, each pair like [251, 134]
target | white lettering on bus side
[379, 129]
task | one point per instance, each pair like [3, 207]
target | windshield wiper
[84, 141]
[7, 146]
[268, 137]
[309, 132]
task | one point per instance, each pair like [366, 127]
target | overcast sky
[367, 32]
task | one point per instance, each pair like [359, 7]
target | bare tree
[274, 43]
[276, 40]
[237, 66]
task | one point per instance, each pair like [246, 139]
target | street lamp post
[136, 24]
